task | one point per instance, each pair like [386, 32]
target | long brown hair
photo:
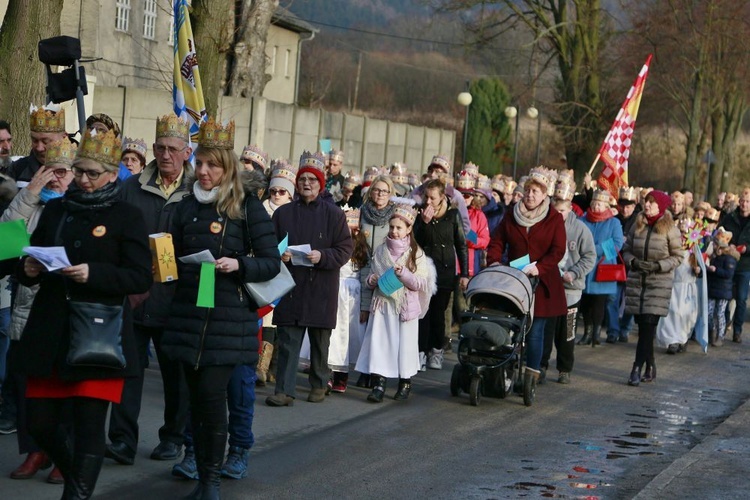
[416, 251]
[231, 193]
[361, 253]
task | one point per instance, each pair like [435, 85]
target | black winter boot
[404, 389]
[587, 331]
[81, 480]
[214, 443]
[649, 375]
[198, 449]
[597, 330]
[378, 390]
[635, 376]
[364, 381]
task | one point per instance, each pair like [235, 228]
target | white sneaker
[435, 359]
[422, 362]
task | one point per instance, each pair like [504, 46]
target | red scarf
[598, 216]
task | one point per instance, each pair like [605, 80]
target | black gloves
[644, 266]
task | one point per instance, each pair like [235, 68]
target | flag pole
[596, 160]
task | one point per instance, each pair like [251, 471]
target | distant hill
[356, 13]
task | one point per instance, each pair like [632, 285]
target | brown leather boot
[264, 362]
[34, 462]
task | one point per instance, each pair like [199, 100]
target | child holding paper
[403, 279]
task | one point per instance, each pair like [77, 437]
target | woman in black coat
[210, 342]
[107, 244]
[439, 231]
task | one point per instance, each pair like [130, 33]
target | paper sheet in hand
[198, 258]
[610, 252]
[521, 262]
[284, 244]
[53, 258]
[527, 266]
[299, 255]
[389, 282]
[14, 237]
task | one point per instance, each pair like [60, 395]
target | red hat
[662, 199]
[313, 163]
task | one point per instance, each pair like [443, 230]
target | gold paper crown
[214, 135]
[712, 214]
[285, 173]
[255, 154]
[135, 146]
[483, 182]
[371, 173]
[172, 126]
[472, 169]
[352, 180]
[510, 187]
[703, 205]
[465, 181]
[441, 161]
[104, 148]
[312, 160]
[398, 173]
[565, 188]
[352, 217]
[628, 194]
[678, 196]
[61, 152]
[405, 212]
[336, 154]
[46, 120]
[601, 195]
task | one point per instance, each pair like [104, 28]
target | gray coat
[649, 293]
[375, 235]
[579, 259]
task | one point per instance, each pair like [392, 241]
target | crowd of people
[380, 263]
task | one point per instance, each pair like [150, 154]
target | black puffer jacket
[443, 240]
[228, 333]
[720, 281]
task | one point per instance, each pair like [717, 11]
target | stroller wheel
[456, 381]
[475, 391]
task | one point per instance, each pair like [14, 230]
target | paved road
[595, 438]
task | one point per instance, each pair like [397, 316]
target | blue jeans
[241, 401]
[617, 326]
[742, 283]
[4, 341]
[535, 344]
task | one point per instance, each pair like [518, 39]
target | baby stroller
[491, 347]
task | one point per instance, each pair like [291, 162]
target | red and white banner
[616, 147]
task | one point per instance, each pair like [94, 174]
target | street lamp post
[533, 113]
[464, 99]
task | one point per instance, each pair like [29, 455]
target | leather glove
[645, 266]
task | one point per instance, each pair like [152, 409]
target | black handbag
[95, 335]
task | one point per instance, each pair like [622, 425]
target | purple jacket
[313, 302]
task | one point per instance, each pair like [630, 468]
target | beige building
[129, 43]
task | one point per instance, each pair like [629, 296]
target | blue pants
[742, 284]
[241, 401]
[617, 326]
[535, 344]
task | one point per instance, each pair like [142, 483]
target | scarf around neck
[527, 218]
[397, 247]
[375, 216]
[76, 199]
[598, 216]
[205, 197]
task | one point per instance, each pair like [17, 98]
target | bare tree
[23, 81]
[213, 30]
[248, 74]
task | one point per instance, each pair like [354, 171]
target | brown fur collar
[662, 225]
[732, 250]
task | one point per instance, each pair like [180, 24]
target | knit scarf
[598, 216]
[527, 218]
[377, 216]
[652, 220]
[76, 199]
[386, 256]
[205, 197]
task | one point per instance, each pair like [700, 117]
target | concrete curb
[711, 469]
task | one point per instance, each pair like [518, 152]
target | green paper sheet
[206, 285]
[14, 237]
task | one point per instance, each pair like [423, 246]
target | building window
[170, 37]
[274, 52]
[149, 19]
[287, 61]
[122, 16]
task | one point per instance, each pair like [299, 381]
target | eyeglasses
[91, 174]
[62, 172]
[173, 151]
[307, 180]
[277, 192]
[379, 192]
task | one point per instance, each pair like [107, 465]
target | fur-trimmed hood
[8, 189]
[662, 226]
[731, 250]
[254, 181]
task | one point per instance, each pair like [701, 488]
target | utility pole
[356, 81]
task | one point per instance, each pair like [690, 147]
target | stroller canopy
[506, 282]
